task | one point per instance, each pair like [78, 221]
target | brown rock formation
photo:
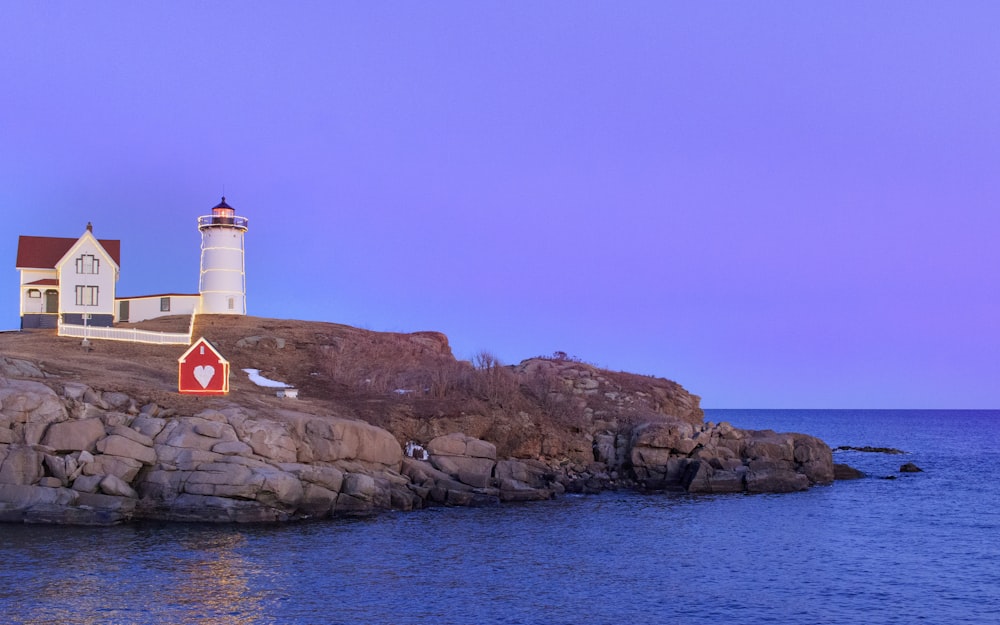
[103, 437]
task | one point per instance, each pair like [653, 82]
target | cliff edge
[383, 421]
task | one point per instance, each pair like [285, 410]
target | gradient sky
[777, 204]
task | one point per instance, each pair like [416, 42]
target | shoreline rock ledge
[74, 454]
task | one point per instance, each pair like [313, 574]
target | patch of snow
[260, 380]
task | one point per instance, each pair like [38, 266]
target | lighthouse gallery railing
[217, 220]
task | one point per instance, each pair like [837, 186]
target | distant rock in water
[909, 467]
[868, 449]
[846, 472]
[89, 446]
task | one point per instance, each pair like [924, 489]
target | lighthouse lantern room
[223, 279]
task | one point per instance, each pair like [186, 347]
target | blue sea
[923, 547]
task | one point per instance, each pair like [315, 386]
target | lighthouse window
[164, 304]
[232, 304]
[88, 263]
[86, 295]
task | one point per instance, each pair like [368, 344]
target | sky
[776, 204]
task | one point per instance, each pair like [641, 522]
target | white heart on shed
[204, 374]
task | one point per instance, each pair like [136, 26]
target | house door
[123, 311]
[51, 301]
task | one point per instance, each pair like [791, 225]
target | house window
[88, 263]
[34, 293]
[86, 295]
[164, 304]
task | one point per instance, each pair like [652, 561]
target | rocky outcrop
[73, 454]
[722, 459]
[73, 458]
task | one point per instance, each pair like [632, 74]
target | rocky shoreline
[70, 454]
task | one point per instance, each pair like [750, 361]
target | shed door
[123, 311]
[51, 301]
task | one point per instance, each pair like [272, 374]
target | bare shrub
[448, 379]
[491, 381]
[376, 363]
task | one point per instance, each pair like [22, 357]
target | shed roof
[194, 346]
[45, 252]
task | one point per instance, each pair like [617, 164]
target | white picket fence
[131, 335]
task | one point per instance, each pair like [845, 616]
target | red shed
[202, 370]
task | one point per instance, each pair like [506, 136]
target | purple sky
[775, 204]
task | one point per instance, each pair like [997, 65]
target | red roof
[45, 252]
[45, 282]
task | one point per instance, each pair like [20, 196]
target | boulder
[317, 501]
[131, 434]
[57, 468]
[106, 464]
[515, 490]
[115, 486]
[469, 459]
[161, 485]
[181, 433]
[661, 435]
[21, 466]
[27, 401]
[813, 458]
[116, 400]
[348, 505]
[76, 435]
[182, 458]
[335, 440]
[232, 448]
[17, 368]
[116, 445]
[404, 498]
[220, 479]
[772, 477]
[359, 486]
[269, 439]
[88, 483]
[98, 509]
[21, 496]
[278, 488]
[330, 478]
[459, 444]
[215, 429]
[148, 426]
[529, 472]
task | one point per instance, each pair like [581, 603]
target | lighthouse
[223, 281]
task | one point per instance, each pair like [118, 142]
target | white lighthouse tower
[223, 281]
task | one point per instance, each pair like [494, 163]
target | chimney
[90, 227]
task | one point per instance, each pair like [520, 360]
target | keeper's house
[74, 278]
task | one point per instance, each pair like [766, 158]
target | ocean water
[922, 547]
